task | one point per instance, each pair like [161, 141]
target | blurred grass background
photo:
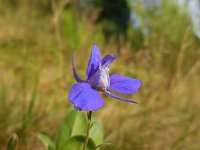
[37, 40]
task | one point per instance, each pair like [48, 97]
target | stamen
[102, 89]
[107, 91]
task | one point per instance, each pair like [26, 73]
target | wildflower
[84, 94]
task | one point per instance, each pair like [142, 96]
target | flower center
[100, 79]
[104, 80]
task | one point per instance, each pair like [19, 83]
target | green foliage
[12, 142]
[97, 132]
[72, 133]
[46, 141]
[77, 142]
[75, 123]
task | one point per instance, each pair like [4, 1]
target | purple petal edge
[107, 60]
[78, 79]
[94, 61]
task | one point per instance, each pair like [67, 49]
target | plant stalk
[89, 116]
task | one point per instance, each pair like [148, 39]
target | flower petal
[107, 60]
[84, 97]
[120, 98]
[124, 85]
[94, 62]
[78, 79]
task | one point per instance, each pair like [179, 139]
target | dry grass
[36, 76]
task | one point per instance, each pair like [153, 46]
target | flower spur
[84, 94]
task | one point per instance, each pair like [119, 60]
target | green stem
[89, 116]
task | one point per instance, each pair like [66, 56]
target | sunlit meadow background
[37, 40]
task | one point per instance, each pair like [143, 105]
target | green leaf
[46, 141]
[77, 142]
[75, 123]
[12, 142]
[97, 132]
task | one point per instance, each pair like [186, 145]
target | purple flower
[84, 94]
